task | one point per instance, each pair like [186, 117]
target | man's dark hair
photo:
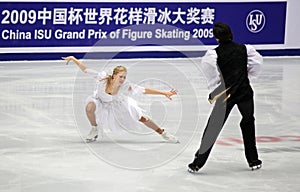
[222, 32]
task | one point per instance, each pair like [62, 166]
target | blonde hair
[109, 78]
[119, 69]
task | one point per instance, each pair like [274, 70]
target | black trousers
[215, 124]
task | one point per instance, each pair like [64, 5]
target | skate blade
[172, 141]
[256, 167]
[176, 141]
[193, 171]
[92, 139]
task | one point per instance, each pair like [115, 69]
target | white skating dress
[120, 113]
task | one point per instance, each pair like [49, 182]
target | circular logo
[255, 21]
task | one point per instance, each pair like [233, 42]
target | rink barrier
[131, 55]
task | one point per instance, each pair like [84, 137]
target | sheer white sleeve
[255, 60]
[136, 89]
[95, 74]
[132, 89]
[209, 69]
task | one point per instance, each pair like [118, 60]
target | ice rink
[43, 125]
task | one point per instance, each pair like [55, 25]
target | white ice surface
[42, 123]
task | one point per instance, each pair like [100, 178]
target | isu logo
[255, 21]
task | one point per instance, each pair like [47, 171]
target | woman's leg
[90, 112]
[166, 136]
[149, 123]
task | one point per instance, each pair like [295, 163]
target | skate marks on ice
[41, 148]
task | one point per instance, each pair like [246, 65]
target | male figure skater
[228, 69]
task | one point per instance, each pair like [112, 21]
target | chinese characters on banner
[108, 16]
[116, 24]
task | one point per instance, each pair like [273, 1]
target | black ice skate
[192, 168]
[257, 164]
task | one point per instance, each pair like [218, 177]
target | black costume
[232, 63]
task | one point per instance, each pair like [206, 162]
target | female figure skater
[111, 102]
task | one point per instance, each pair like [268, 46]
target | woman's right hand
[68, 59]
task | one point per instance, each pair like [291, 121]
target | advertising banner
[84, 24]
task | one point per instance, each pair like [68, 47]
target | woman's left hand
[171, 93]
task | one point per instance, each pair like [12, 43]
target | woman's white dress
[119, 112]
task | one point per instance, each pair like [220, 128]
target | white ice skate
[93, 135]
[168, 137]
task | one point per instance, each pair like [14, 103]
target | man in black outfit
[234, 64]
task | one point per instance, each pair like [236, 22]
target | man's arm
[209, 68]
[255, 60]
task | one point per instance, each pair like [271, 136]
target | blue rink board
[41, 24]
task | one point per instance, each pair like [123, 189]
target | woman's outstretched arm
[168, 94]
[76, 61]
